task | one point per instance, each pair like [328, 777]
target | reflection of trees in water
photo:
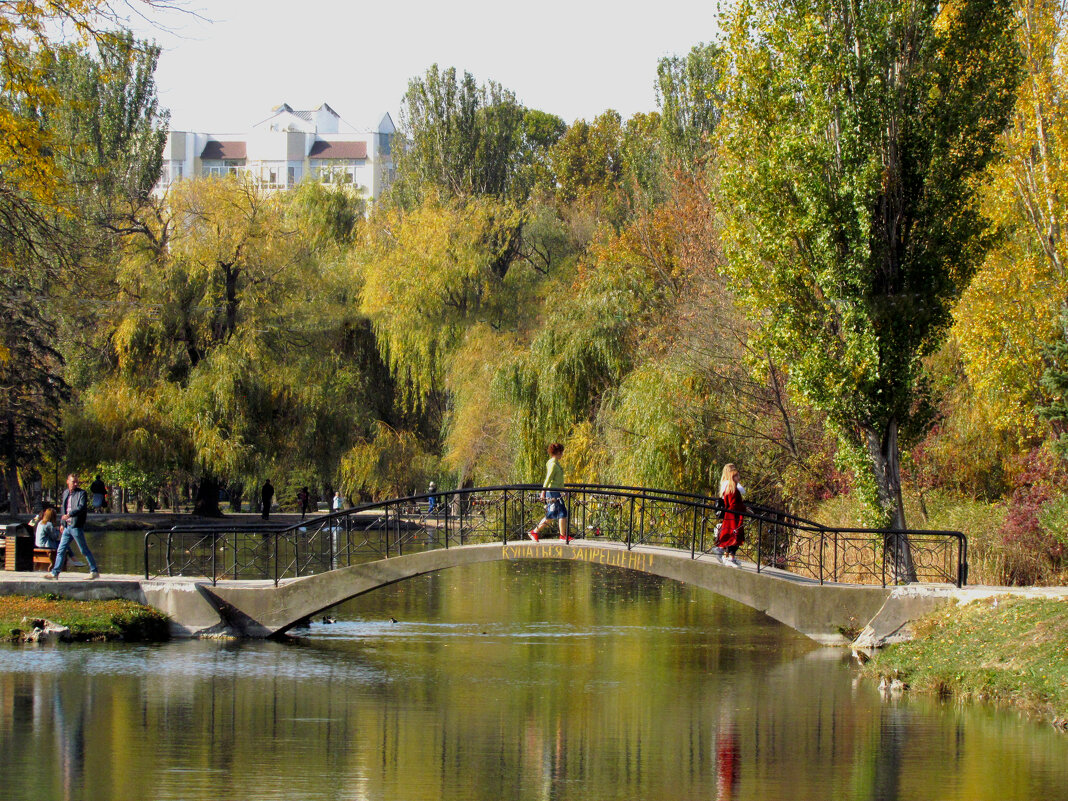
[888, 754]
[523, 692]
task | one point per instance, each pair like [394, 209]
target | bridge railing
[631, 516]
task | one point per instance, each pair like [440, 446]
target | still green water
[528, 680]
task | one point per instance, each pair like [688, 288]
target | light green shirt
[554, 475]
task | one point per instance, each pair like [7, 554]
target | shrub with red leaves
[1033, 551]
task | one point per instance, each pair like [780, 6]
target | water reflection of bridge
[826, 582]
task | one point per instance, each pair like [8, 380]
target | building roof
[223, 150]
[338, 150]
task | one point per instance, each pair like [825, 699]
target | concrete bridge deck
[831, 614]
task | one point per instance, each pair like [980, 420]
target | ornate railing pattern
[632, 516]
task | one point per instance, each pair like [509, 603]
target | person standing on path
[732, 530]
[266, 498]
[98, 489]
[552, 494]
[73, 506]
[302, 501]
[337, 503]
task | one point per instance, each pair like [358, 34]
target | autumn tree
[1008, 319]
[236, 344]
[49, 180]
[852, 144]
[687, 89]
[463, 138]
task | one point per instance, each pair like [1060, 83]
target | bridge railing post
[641, 521]
[836, 545]
[760, 543]
[448, 503]
[630, 525]
[883, 551]
[822, 547]
[693, 535]
[504, 518]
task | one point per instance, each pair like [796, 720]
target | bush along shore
[1008, 650]
[48, 618]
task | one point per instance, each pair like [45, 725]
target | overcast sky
[573, 58]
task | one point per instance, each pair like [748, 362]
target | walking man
[74, 505]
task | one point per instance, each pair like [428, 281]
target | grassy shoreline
[1008, 650]
[88, 621]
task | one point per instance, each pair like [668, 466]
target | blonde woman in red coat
[731, 531]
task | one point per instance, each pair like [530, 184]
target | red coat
[730, 532]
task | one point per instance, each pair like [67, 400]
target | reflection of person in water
[70, 738]
[727, 758]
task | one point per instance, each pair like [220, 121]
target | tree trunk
[885, 457]
[12, 492]
[237, 493]
[11, 465]
[206, 502]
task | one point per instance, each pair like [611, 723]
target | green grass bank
[87, 620]
[1009, 650]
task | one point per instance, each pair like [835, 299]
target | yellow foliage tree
[1008, 316]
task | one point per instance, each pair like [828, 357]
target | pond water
[531, 680]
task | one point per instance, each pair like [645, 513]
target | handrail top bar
[692, 500]
[627, 493]
[633, 516]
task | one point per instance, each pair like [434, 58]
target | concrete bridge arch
[830, 614]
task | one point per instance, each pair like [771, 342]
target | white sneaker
[733, 561]
[94, 575]
[725, 558]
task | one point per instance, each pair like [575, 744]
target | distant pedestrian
[99, 490]
[338, 503]
[732, 529]
[432, 501]
[74, 505]
[266, 498]
[302, 501]
[552, 494]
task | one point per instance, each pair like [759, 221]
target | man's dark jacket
[78, 509]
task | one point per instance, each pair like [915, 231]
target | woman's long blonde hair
[48, 515]
[728, 480]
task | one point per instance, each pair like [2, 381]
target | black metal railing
[632, 516]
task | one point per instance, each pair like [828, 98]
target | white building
[286, 148]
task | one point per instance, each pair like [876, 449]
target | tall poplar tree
[853, 142]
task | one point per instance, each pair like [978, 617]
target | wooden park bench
[21, 553]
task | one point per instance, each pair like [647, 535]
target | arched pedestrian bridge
[826, 583]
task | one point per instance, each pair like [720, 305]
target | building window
[337, 173]
[228, 167]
